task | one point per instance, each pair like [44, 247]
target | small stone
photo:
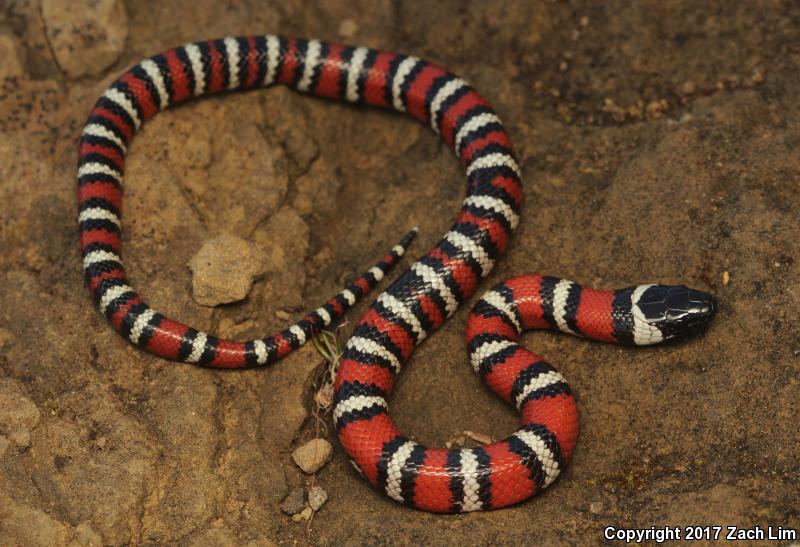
[596, 507]
[294, 502]
[317, 497]
[86, 36]
[282, 315]
[297, 517]
[306, 513]
[224, 270]
[656, 109]
[584, 22]
[348, 28]
[726, 278]
[313, 455]
[688, 87]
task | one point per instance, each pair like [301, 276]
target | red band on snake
[413, 306]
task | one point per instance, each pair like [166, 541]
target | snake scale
[416, 304]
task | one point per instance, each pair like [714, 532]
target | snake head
[669, 312]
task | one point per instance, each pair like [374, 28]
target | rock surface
[86, 36]
[658, 142]
[311, 456]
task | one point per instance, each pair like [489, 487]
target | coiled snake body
[414, 305]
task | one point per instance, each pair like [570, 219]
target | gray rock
[313, 455]
[317, 497]
[294, 502]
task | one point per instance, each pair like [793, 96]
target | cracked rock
[313, 455]
[224, 270]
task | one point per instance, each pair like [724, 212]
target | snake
[416, 304]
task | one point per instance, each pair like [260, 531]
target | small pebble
[688, 87]
[282, 315]
[305, 514]
[347, 28]
[596, 507]
[726, 278]
[294, 502]
[313, 455]
[317, 497]
[584, 21]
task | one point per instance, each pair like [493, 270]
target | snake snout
[700, 311]
[689, 311]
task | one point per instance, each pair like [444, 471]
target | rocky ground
[659, 143]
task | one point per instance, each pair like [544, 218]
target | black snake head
[669, 312]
